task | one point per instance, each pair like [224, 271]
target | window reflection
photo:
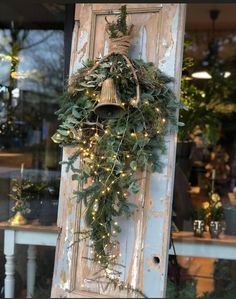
[31, 82]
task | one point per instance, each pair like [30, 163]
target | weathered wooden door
[144, 241]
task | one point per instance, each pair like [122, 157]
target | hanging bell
[110, 105]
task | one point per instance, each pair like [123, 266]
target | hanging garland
[111, 150]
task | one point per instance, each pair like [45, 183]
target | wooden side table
[31, 235]
[187, 244]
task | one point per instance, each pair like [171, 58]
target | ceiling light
[201, 75]
[227, 74]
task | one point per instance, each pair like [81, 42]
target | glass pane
[204, 207]
[31, 82]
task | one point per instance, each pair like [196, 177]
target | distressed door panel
[157, 37]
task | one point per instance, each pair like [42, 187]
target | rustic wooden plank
[67, 222]
[29, 227]
[158, 37]
[186, 244]
[186, 236]
[159, 196]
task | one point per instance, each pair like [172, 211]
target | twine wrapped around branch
[120, 45]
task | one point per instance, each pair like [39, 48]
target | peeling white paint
[143, 43]
[106, 48]
[168, 61]
[81, 55]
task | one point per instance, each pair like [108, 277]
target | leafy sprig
[119, 27]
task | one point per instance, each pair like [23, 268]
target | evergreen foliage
[113, 150]
[119, 28]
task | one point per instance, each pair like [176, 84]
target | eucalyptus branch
[122, 139]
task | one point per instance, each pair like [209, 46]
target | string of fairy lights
[113, 150]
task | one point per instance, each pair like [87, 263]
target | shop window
[32, 75]
[204, 210]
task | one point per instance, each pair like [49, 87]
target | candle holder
[18, 219]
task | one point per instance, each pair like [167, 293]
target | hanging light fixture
[211, 61]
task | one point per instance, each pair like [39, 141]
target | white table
[31, 235]
[186, 244]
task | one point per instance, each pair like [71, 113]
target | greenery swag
[112, 150]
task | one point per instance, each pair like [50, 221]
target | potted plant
[215, 215]
[199, 214]
[230, 215]
[20, 197]
[49, 203]
[207, 105]
[34, 193]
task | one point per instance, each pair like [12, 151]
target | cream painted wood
[157, 37]
[27, 235]
[9, 238]
[31, 270]
[186, 244]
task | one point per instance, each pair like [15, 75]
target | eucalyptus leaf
[133, 165]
